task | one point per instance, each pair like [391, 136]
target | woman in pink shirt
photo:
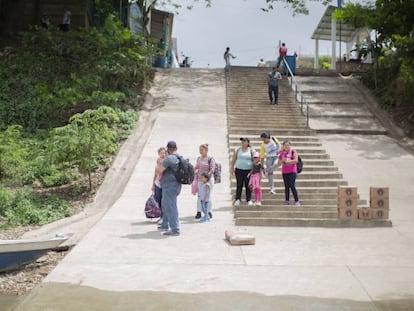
[288, 159]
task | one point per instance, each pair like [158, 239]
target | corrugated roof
[344, 32]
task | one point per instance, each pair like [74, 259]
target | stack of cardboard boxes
[348, 203]
[379, 202]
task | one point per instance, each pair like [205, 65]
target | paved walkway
[123, 263]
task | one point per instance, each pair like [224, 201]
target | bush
[27, 209]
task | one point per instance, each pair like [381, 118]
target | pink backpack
[152, 209]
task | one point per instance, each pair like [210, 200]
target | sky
[204, 33]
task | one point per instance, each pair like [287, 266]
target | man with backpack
[171, 188]
[273, 78]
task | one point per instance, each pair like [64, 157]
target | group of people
[166, 188]
[250, 166]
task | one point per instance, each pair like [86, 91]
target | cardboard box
[347, 192]
[380, 213]
[364, 213]
[347, 202]
[379, 203]
[347, 213]
[379, 192]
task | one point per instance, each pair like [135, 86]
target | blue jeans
[170, 216]
[204, 207]
[199, 206]
[273, 93]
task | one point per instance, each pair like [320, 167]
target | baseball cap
[256, 155]
[265, 135]
[171, 144]
[245, 139]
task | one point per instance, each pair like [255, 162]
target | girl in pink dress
[255, 178]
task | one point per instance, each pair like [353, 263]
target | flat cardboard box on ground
[364, 213]
[347, 213]
[380, 213]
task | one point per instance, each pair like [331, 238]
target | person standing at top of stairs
[273, 78]
[282, 53]
[227, 56]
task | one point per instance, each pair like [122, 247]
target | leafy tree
[86, 140]
[393, 47]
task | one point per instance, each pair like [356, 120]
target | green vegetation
[392, 75]
[66, 102]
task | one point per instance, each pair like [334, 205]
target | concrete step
[283, 208]
[304, 156]
[286, 214]
[308, 183]
[305, 175]
[309, 222]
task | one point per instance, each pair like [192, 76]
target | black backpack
[299, 165]
[185, 172]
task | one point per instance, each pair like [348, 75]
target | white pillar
[316, 59]
[333, 39]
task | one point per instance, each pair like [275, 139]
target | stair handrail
[298, 91]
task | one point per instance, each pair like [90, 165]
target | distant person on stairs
[282, 54]
[227, 56]
[241, 165]
[288, 159]
[273, 78]
[261, 63]
[269, 151]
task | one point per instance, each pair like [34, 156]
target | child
[205, 196]
[156, 181]
[255, 178]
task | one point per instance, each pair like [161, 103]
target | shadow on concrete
[88, 298]
[154, 235]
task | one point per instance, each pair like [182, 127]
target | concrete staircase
[250, 113]
[336, 107]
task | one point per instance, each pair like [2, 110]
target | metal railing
[299, 97]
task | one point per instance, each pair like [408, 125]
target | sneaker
[210, 214]
[161, 229]
[171, 233]
[204, 219]
[272, 191]
[297, 203]
[198, 215]
[249, 203]
[258, 203]
[276, 103]
[237, 203]
[286, 203]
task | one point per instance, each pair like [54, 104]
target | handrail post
[307, 116]
[296, 93]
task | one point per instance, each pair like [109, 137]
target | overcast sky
[204, 33]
